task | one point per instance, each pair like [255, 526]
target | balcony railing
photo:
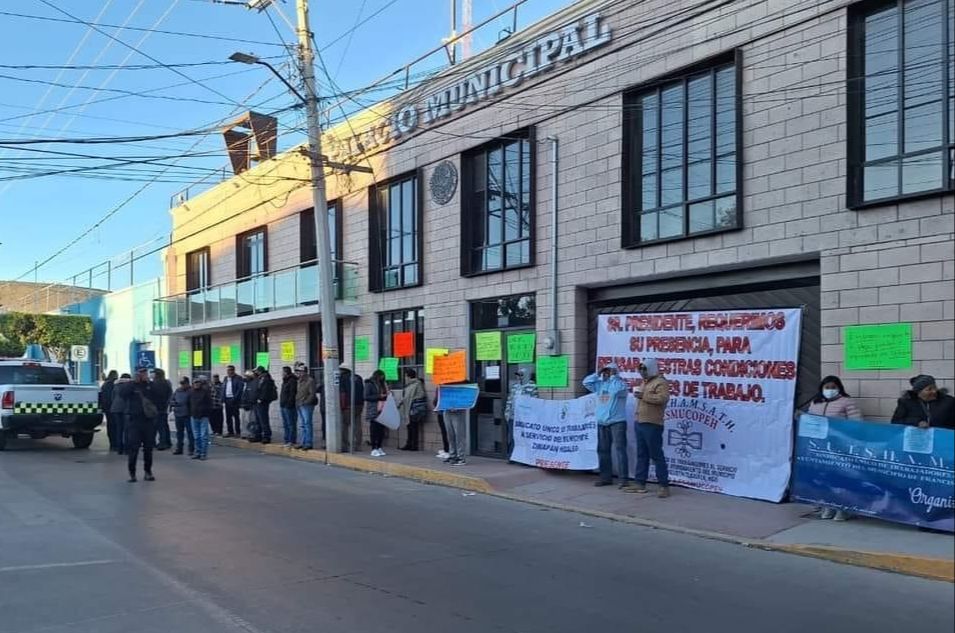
[270, 292]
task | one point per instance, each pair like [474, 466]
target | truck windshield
[32, 375]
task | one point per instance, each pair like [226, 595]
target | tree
[55, 332]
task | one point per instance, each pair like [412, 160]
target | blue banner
[455, 397]
[888, 471]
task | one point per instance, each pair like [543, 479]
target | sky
[126, 79]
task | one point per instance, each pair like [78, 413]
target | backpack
[150, 410]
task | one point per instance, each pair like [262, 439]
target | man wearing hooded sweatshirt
[611, 392]
[652, 397]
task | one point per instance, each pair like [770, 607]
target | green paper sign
[552, 371]
[389, 365]
[234, 357]
[362, 348]
[216, 356]
[520, 348]
[185, 360]
[262, 359]
[488, 345]
[877, 346]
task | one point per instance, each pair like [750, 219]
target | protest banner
[552, 371]
[262, 359]
[452, 367]
[389, 365]
[890, 471]
[184, 360]
[288, 351]
[429, 355]
[558, 434]
[886, 346]
[487, 345]
[456, 397]
[197, 358]
[225, 355]
[216, 356]
[520, 348]
[362, 348]
[403, 344]
[732, 374]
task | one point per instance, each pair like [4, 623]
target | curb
[923, 567]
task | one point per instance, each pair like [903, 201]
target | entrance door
[507, 315]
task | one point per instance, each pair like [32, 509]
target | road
[256, 544]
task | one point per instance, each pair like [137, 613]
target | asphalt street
[257, 544]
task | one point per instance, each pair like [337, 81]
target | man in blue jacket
[611, 392]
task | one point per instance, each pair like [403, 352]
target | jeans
[288, 424]
[248, 423]
[139, 432]
[264, 432]
[200, 430]
[612, 437]
[183, 429]
[444, 433]
[305, 415]
[232, 417]
[456, 422]
[650, 446]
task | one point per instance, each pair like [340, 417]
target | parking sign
[80, 353]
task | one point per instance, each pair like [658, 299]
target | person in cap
[200, 408]
[267, 394]
[522, 385]
[652, 397]
[925, 405]
[141, 412]
[250, 393]
[180, 409]
[288, 408]
[611, 414]
[305, 401]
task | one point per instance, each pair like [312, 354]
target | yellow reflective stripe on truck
[55, 407]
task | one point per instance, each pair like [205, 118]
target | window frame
[467, 246]
[376, 267]
[191, 274]
[251, 345]
[632, 187]
[855, 111]
[308, 240]
[239, 248]
[386, 343]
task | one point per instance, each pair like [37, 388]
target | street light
[245, 58]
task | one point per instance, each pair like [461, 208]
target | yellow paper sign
[225, 355]
[288, 351]
[429, 355]
[197, 358]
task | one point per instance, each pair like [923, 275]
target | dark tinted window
[33, 375]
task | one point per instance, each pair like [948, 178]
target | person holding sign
[925, 405]
[523, 385]
[611, 393]
[652, 398]
[376, 393]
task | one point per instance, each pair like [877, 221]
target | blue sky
[42, 215]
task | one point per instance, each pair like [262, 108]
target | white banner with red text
[732, 374]
[558, 434]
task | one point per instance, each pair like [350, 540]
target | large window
[403, 321]
[901, 100]
[497, 206]
[251, 253]
[197, 270]
[394, 235]
[307, 240]
[254, 342]
[681, 157]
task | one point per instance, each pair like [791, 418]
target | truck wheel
[82, 440]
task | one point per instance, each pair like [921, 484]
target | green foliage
[55, 332]
[10, 344]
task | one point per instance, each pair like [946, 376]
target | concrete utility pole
[330, 353]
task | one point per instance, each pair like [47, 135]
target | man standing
[611, 393]
[105, 401]
[267, 394]
[652, 399]
[232, 395]
[250, 394]
[180, 409]
[162, 389]
[215, 417]
[351, 390]
[200, 406]
[523, 385]
[141, 412]
[287, 406]
[305, 401]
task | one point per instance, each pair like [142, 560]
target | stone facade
[882, 264]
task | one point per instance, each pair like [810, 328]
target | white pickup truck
[37, 399]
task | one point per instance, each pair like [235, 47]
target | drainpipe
[552, 340]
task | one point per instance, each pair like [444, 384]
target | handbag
[149, 407]
[418, 408]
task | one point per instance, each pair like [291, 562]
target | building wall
[878, 265]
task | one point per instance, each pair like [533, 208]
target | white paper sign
[728, 424]
[559, 434]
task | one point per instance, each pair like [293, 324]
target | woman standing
[376, 393]
[832, 401]
[925, 405]
[414, 400]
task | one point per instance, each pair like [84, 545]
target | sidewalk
[786, 527]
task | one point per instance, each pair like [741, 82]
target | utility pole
[329, 322]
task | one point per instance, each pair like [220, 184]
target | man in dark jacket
[925, 405]
[200, 408]
[163, 390]
[218, 395]
[180, 409]
[267, 394]
[250, 393]
[105, 400]
[141, 411]
[287, 406]
[232, 388]
[351, 401]
[117, 408]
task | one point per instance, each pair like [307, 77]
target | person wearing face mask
[611, 392]
[652, 397]
[925, 405]
[833, 401]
